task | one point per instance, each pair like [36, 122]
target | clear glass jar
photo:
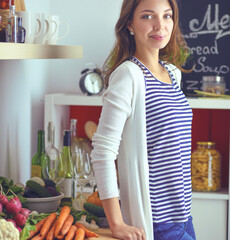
[206, 167]
[213, 84]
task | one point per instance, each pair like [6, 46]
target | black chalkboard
[206, 27]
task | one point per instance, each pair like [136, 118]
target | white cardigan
[121, 135]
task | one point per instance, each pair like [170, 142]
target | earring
[131, 32]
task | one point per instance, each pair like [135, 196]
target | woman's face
[152, 24]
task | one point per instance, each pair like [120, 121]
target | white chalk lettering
[202, 68]
[206, 50]
[192, 84]
[190, 35]
[220, 27]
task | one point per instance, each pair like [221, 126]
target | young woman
[146, 125]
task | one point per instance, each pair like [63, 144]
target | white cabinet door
[210, 219]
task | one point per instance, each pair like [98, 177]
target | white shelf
[209, 103]
[221, 195]
[70, 99]
[10, 51]
[57, 110]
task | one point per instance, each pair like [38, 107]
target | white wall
[92, 26]
[15, 112]
[23, 83]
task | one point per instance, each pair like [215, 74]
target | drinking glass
[57, 171]
[82, 169]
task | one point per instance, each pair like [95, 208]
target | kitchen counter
[104, 234]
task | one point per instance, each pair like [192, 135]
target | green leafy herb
[89, 216]
[31, 221]
[25, 233]
[8, 186]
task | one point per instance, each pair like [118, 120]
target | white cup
[31, 24]
[54, 24]
[39, 39]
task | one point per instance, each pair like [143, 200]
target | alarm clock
[91, 83]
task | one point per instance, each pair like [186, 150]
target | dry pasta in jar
[206, 167]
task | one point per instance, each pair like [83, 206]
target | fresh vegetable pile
[93, 205]
[60, 226]
[11, 204]
[39, 188]
[66, 223]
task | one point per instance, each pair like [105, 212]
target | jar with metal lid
[206, 167]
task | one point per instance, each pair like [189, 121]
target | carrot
[61, 219]
[50, 235]
[38, 237]
[60, 236]
[80, 234]
[67, 224]
[70, 235]
[88, 233]
[48, 223]
[37, 227]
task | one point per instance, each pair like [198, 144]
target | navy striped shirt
[168, 122]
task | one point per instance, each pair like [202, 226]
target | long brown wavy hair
[174, 52]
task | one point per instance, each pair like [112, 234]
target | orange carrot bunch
[60, 227]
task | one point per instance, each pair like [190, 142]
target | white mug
[53, 35]
[31, 24]
[39, 39]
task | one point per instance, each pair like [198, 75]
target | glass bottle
[68, 184]
[73, 128]
[57, 169]
[206, 167]
[40, 161]
[21, 31]
[3, 31]
[75, 143]
[12, 25]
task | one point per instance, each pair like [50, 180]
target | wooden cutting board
[104, 234]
